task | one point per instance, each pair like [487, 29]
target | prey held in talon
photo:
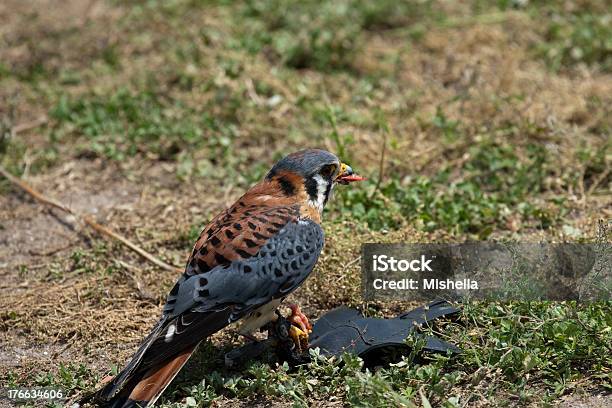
[245, 262]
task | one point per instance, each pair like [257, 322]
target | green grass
[126, 123]
[496, 183]
[580, 36]
[327, 35]
[71, 377]
[509, 346]
[323, 35]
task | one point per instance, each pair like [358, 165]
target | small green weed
[581, 37]
[70, 377]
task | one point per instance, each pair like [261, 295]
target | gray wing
[205, 303]
[279, 267]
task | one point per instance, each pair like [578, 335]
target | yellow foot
[300, 338]
[300, 328]
[299, 319]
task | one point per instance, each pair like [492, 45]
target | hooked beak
[347, 175]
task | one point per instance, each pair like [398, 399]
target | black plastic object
[378, 341]
[374, 339]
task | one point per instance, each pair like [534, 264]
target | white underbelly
[259, 317]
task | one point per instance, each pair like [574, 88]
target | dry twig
[601, 177]
[29, 125]
[87, 220]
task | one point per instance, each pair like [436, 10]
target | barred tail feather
[143, 389]
[159, 359]
[120, 380]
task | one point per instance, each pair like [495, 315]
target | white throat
[319, 203]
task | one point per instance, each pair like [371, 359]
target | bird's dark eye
[328, 171]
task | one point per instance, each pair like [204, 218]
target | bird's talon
[299, 337]
[299, 319]
[300, 328]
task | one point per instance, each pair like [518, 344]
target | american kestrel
[243, 265]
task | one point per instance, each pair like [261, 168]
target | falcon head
[314, 171]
